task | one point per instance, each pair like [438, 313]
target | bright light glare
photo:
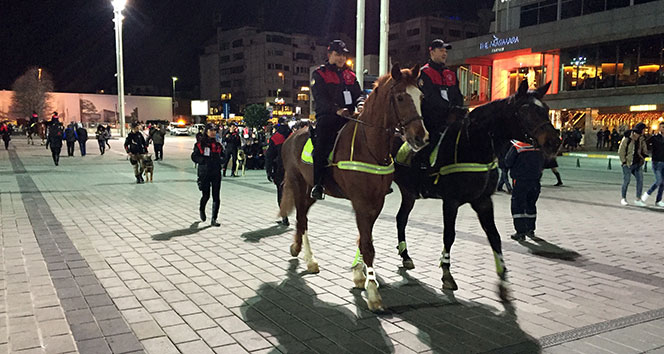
[174, 78]
[119, 5]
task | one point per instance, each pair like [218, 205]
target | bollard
[608, 168]
[645, 169]
[578, 163]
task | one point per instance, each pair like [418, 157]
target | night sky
[73, 40]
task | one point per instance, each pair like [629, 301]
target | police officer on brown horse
[336, 94]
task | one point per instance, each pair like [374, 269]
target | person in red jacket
[208, 155]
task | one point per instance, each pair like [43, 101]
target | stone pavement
[93, 263]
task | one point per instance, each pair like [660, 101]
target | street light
[118, 6]
[283, 78]
[174, 79]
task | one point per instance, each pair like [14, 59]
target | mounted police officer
[274, 166]
[136, 148]
[208, 156]
[440, 88]
[336, 94]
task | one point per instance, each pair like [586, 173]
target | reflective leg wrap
[500, 266]
[445, 260]
[358, 258]
[371, 275]
[401, 247]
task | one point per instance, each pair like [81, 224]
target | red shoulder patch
[449, 78]
[349, 77]
[278, 139]
[330, 77]
[434, 75]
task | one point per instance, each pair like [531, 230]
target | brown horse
[368, 140]
[38, 129]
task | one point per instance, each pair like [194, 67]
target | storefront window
[650, 62]
[606, 69]
[587, 68]
[570, 61]
[507, 74]
[628, 63]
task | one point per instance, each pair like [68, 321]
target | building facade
[409, 40]
[247, 65]
[603, 57]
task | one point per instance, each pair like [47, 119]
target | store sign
[643, 108]
[498, 44]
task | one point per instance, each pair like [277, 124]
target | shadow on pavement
[192, 229]
[302, 323]
[542, 248]
[257, 235]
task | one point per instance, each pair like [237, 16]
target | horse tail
[288, 198]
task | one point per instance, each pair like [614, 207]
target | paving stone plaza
[93, 263]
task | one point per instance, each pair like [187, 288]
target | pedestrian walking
[6, 133]
[71, 137]
[136, 148]
[632, 153]
[552, 164]
[55, 137]
[274, 166]
[656, 144]
[108, 135]
[232, 141]
[207, 155]
[100, 135]
[525, 162]
[157, 137]
[82, 135]
[600, 139]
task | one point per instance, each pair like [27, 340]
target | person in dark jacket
[157, 136]
[70, 136]
[82, 135]
[207, 155]
[100, 134]
[55, 137]
[525, 162]
[232, 141]
[6, 133]
[136, 148]
[337, 94]
[656, 144]
[274, 166]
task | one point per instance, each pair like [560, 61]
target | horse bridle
[534, 131]
[402, 124]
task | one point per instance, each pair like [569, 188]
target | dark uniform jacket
[232, 141]
[5, 132]
[208, 154]
[273, 162]
[55, 135]
[82, 134]
[441, 91]
[135, 143]
[524, 161]
[656, 145]
[329, 84]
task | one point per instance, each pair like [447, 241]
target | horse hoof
[408, 264]
[358, 276]
[504, 292]
[313, 268]
[294, 250]
[449, 283]
[374, 301]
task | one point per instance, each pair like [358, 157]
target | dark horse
[366, 144]
[39, 129]
[467, 154]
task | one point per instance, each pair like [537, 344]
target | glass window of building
[606, 69]
[413, 32]
[529, 15]
[478, 85]
[592, 6]
[237, 43]
[614, 4]
[650, 63]
[628, 65]
[437, 30]
[586, 68]
[636, 2]
[569, 62]
[455, 33]
[548, 11]
[570, 8]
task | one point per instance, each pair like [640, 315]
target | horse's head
[532, 118]
[404, 100]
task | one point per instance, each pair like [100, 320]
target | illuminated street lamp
[283, 78]
[118, 6]
[174, 79]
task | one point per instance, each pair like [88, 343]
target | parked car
[193, 130]
[180, 129]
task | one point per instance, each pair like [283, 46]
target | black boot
[224, 172]
[215, 213]
[560, 181]
[138, 179]
[201, 212]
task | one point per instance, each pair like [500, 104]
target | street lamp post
[174, 79]
[118, 6]
[384, 32]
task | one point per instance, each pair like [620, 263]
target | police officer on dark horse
[336, 95]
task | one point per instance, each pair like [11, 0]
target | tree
[256, 116]
[31, 94]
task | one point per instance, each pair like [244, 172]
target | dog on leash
[148, 166]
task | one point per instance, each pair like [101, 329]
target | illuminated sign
[200, 108]
[499, 44]
[643, 108]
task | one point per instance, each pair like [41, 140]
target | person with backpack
[70, 136]
[55, 137]
[82, 135]
[633, 152]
